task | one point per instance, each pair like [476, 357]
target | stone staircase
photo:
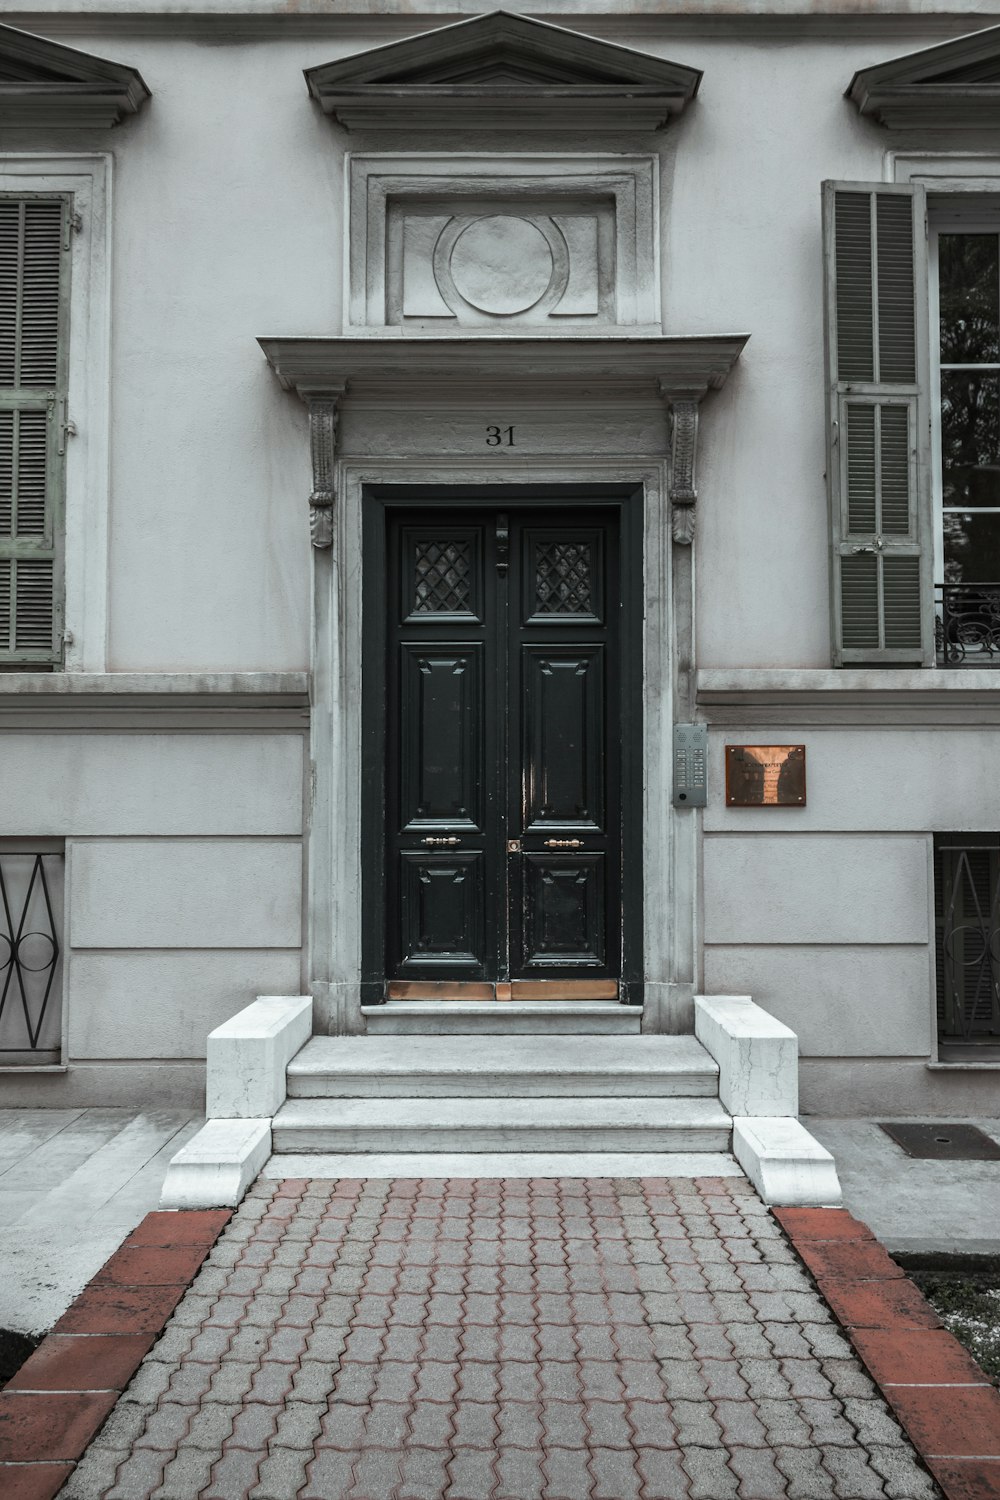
[501, 1090]
[544, 1078]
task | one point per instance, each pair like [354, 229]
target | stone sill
[963, 1067]
[15, 1070]
[154, 700]
[907, 695]
[194, 684]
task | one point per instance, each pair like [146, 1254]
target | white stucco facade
[199, 761]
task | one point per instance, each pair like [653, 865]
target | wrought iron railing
[30, 952]
[967, 903]
[967, 624]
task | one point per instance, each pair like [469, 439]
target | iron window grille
[967, 922]
[31, 911]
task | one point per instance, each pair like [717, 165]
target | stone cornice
[43, 83]
[616, 367]
[828, 696]
[502, 72]
[154, 700]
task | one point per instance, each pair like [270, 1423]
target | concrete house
[500, 533]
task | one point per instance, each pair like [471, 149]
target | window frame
[86, 177]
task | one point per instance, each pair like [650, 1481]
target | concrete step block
[786, 1164]
[248, 1054]
[217, 1165]
[758, 1056]
[507, 1067]
[502, 1018]
[476, 1125]
[506, 1164]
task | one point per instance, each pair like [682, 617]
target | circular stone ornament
[501, 264]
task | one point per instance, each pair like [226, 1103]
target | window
[35, 230]
[967, 921]
[965, 342]
[32, 877]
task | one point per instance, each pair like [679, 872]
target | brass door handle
[564, 843]
[448, 842]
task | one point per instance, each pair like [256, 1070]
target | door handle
[448, 842]
[513, 846]
[564, 843]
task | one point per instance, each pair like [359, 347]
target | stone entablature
[555, 243]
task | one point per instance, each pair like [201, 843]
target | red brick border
[63, 1393]
[947, 1405]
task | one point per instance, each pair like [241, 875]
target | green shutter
[878, 470]
[34, 336]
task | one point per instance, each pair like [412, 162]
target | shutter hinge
[76, 222]
[67, 427]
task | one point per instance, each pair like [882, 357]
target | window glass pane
[970, 437]
[969, 271]
[971, 547]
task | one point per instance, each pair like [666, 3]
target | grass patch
[968, 1304]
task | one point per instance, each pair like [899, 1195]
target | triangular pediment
[43, 83]
[955, 85]
[505, 70]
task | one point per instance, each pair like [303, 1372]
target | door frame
[671, 844]
[377, 501]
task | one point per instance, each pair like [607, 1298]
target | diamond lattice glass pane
[442, 577]
[563, 584]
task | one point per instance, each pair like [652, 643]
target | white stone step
[504, 1067]
[506, 1164]
[476, 1125]
[502, 1018]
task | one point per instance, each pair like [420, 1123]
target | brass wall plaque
[765, 775]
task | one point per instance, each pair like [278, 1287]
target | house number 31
[499, 437]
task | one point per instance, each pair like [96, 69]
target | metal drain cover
[943, 1142]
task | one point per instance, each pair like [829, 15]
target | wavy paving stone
[519, 1339]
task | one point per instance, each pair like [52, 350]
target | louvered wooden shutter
[878, 434]
[34, 294]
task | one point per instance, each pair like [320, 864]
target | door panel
[503, 803]
[442, 909]
[440, 732]
[563, 758]
[564, 910]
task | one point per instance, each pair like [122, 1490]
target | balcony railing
[967, 624]
[30, 953]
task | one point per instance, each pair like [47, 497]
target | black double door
[503, 738]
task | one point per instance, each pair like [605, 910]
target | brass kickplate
[942, 1141]
[515, 989]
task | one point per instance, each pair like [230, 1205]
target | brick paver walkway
[531, 1340]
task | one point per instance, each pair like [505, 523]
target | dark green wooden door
[503, 790]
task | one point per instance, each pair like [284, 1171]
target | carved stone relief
[477, 266]
[438, 244]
